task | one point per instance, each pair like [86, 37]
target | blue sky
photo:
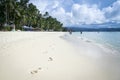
[79, 12]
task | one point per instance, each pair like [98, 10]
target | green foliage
[7, 28]
[21, 12]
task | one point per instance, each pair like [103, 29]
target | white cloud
[41, 5]
[112, 13]
[79, 13]
[87, 14]
[56, 10]
[62, 16]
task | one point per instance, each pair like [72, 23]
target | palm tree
[39, 19]
[32, 14]
[46, 15]
[21, 12]
[2, 14]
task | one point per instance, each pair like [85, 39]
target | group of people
[70, 32]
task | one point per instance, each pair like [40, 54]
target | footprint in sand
[50, 59]
[36, 71]
[39, 68]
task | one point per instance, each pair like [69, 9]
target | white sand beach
[53, 56]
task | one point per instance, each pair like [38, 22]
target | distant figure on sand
[80, 32]
[70, 32]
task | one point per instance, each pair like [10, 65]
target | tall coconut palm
[21, 12]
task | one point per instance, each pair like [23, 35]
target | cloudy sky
[78, 12]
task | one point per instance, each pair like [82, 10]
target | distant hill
[92, 29]
[106, 27]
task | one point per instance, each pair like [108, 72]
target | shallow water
[108, 39]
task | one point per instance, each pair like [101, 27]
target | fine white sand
[54, 56]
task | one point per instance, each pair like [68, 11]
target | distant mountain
[110, 26]
[92, 29]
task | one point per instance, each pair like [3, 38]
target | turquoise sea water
[108, 39]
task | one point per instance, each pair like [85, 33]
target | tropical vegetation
[23, 13]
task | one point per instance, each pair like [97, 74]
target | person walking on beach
[70, 32]
[80, 32]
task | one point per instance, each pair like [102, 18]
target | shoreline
[52, 56]
[108, 48]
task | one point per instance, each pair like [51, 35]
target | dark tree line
[21, 12]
